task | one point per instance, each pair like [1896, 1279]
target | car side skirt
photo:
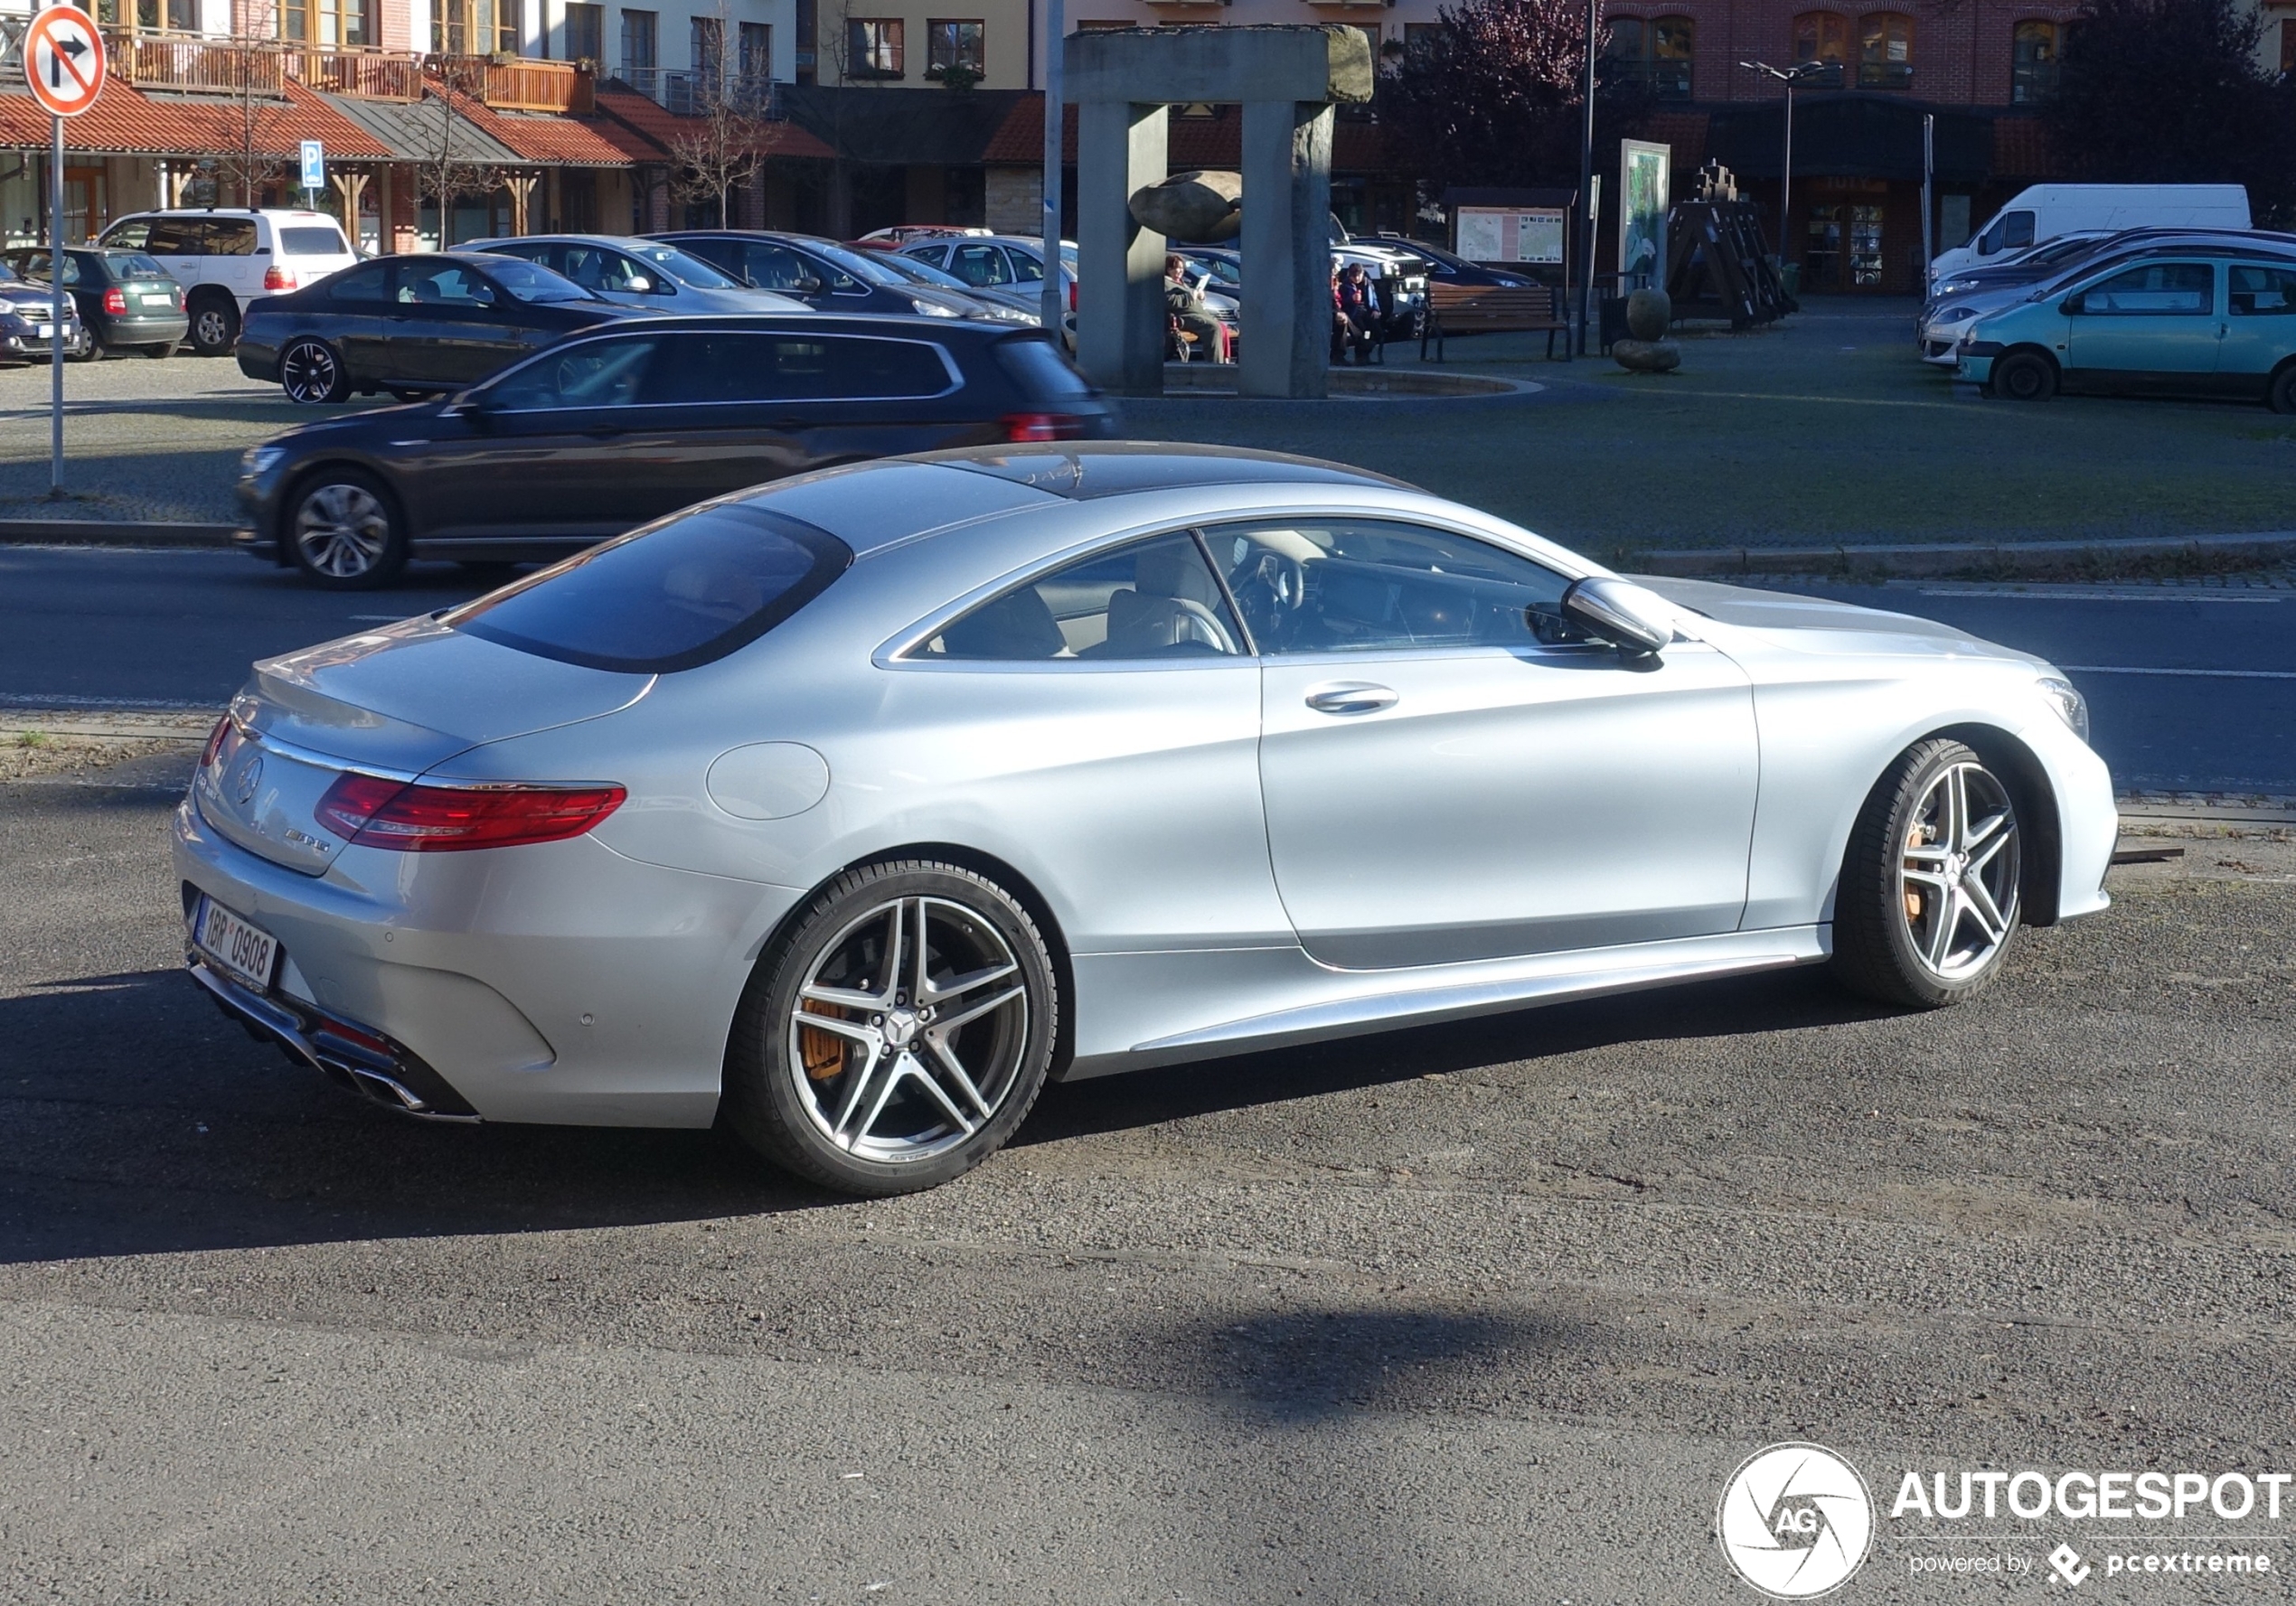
[1122, 994]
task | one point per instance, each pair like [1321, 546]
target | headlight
[1013, 315]
[934, 309]
[2070, 705]
[258, 461]
[1956, 314]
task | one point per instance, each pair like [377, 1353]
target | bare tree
[724, 148]
[452, 167]
[249, 129]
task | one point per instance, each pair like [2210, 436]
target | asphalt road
[1477, 1314]
[2191, 689]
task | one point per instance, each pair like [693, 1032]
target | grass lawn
[1828, 430]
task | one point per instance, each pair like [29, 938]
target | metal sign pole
[1054, 303]
[56, 309]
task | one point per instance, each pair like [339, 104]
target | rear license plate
[160, 300]
[248, 952]
[45, 331]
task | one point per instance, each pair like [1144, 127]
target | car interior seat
[1168, 607]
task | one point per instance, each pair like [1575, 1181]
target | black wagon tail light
[412, 817]
[1026, 427]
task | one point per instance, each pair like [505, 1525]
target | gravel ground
[1824, 430]
[1483, 1313]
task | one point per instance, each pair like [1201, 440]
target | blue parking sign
[315, 164]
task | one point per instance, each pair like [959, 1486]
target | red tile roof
[1215, 141]
[124, 122]
[662, 126]
[561, 141]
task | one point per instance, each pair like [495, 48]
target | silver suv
[227, 256]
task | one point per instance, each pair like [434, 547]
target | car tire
[868, 1083]
[215, 325]
[1927, 908]
[2282, 394]
[343, 530]
[2025, 376]
[311, 371]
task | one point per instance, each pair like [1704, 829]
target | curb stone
[106, 532]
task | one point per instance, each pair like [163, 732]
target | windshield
[530, 282]
[924, 273]
[686, 268]
[866, 265]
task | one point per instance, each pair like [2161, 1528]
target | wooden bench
[1489, 309]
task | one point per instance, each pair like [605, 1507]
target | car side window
[596, 373]
[1151, 599]
[932, 255]
[175, 237]
[2262, 292]
[769, 368]
[2157, 289]
[369, 284]
[1372, 585]
[134, 235]
[980, 265]
[449, 285]
[229, 237]
[774, 267]
[1026, 269]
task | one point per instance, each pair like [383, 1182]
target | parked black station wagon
[613, 428]
[413, 324]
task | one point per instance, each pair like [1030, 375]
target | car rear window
[673, 596]
[135, 265]
[1042, 373]
[313, 240]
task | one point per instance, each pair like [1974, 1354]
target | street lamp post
[1585, 241]
[1790, 77]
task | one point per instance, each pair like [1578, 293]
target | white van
[227, 256]
[2043, 211]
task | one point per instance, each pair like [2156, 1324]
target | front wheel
[343, 530]
[310, 371]
[1929, 896]
[898, 1034]
[2025, 376]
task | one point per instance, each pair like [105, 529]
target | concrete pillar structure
[1287, 316]
[1120, 265]
[1287, 79]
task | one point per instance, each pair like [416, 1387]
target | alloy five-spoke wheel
[1932, 884]
[899, 1034]
[343, 531]
[310, 371]
[215, 325]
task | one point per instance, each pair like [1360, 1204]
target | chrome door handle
[1350, 696]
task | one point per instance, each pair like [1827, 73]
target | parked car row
[2140, 312]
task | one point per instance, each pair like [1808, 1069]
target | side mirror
[1635, 620]
[809, 285]
[2074, 304]
[471, 409]
[639, 284]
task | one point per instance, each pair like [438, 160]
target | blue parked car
[2188, 323]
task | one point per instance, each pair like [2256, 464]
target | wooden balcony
[362, 74]
[516, 83]
[194, 64]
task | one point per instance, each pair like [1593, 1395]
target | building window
[1823, 37]
[584, 32]
[874, 47]
[949, 44]
[510, 27]
[1886, 51]
[161, 16]
[756, 64]
[706, 37]
[2034, 49]
[640, 43]
[1420, 36]
[469, 27]
[1654, 54]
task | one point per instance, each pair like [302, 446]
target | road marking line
[2069, 595]
[2212, 674]
[58, 700]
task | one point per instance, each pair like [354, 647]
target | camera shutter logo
[1795, 1521]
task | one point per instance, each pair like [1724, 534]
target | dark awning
[1851, 136]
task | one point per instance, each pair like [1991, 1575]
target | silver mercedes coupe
[850, 810]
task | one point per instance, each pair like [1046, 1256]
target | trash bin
[1790, 276]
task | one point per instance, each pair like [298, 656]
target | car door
[842, 397]
[2149, 327]
[534, 456]
[353, 318]
[2259, 325]
[1104, 716]
[1450, 776]
[177, 244]
[713, 416]
[450, 324]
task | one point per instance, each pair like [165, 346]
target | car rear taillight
[411, 817]
[1024, 427]
[1072, 295]
[215, 742]
[115, 301]
[279, 278]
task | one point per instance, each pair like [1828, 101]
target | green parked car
[2186, 322]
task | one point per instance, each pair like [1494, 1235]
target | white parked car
[227, 256]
